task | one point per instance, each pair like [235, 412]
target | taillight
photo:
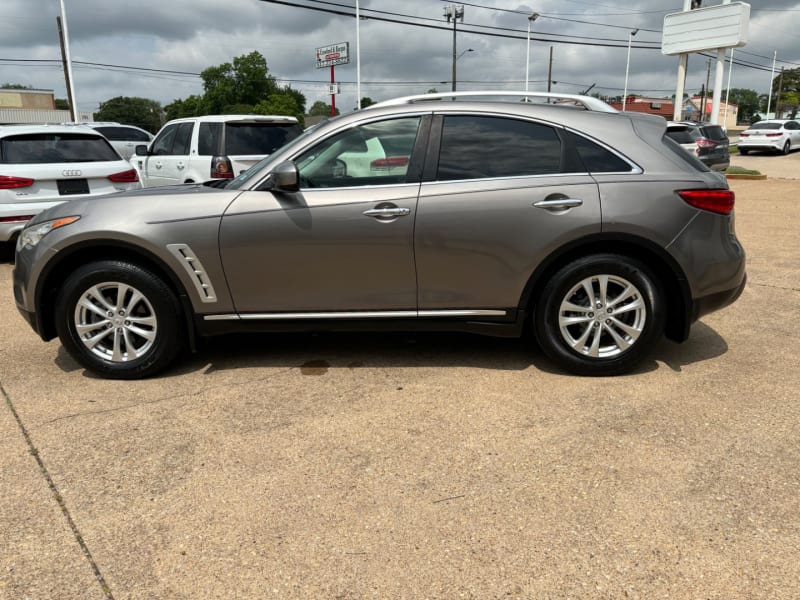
[718, 201]
[704, 143]
[16, 218]
[384, 164]
[221, 168]
[9, 182]
[129, 176]
[744, 134]
[778, 134]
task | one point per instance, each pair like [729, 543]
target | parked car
[776, 135]
[592, 228]
[44, 165]
[124, 138]
[197, 149]
[708, 142]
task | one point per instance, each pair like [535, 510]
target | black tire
[635, 315]
[744, 151]
[138, 310]
[787, 147]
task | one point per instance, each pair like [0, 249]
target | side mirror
[140, 150]
[286, 177]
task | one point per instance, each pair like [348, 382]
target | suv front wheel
[600, 315]
[119, 319]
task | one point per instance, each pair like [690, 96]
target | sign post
[330, 56]
[705, 29]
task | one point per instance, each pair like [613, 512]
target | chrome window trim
[366, 314]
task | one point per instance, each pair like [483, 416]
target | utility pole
[67, 79]
[778, 97]
[550, 71]
[73, 102]
[455, 13]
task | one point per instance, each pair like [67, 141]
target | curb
[743, 176]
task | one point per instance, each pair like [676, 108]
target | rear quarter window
[44, 148]
[597, 159]
[258, 138]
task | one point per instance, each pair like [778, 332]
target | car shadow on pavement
[316, 353]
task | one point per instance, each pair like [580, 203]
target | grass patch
[741, 171]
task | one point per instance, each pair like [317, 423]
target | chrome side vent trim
[195, 270]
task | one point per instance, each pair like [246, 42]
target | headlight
[30, 236]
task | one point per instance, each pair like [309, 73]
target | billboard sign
[702, 29]
[335, 54]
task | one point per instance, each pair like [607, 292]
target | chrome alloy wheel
[115, 322]
[602, 316]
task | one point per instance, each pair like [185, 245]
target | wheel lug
[127, 323]
[608, 321]
[596, 324]
[110, 313]
[122, 313]
[591, 315]
[599, 305]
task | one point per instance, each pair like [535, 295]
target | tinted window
[372, 154]
[598, 159]
[208, 141]
[685, 156]
[162, 145]
[792, 125]
[476, 147]
[183, 139]
[258, 138]
[123, 134]
[714, 132]
[682, 136]
[42, 148]
[764, 125]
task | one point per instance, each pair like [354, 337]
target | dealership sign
[335, 54]
[722, 26]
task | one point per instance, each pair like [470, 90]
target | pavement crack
[777, 287]
[57, 496]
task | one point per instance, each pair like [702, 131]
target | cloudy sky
[156, 48]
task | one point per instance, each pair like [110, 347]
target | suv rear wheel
[600, 315]
[119, 319]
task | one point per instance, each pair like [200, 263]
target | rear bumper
[713, 302]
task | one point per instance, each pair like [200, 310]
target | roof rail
[588, 102]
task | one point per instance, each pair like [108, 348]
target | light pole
[531, 19]
[627, 67]
[455, 13]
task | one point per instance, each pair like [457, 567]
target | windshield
[243, 178]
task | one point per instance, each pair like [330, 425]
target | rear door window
[123, 134]
[43, 148]
[478, 147]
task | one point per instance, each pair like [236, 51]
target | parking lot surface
[418, 466]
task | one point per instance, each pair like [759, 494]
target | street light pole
[627, 68]
[454, 12]
[73, 102]
[531, 19]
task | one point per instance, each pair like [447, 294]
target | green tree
[746, 100]
[367, 101]
[789, 101]
[15, 86]
[62, 104]
[188, 107]
[141, 112]
[246, 81]
[280, 103]
[320, 109]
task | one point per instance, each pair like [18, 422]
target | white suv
[124, 138]
[44, 165]
[196, 149]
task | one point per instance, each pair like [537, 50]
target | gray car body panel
[315, 251]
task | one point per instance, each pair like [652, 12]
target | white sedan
[776, 135]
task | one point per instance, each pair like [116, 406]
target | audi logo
[72, 172]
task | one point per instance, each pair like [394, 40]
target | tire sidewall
[165, 307]
[546, 315]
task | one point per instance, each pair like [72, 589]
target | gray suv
[456, 211]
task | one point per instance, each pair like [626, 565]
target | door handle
[158, 165]
[180, 166]
[558, 203]
[387, 212]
